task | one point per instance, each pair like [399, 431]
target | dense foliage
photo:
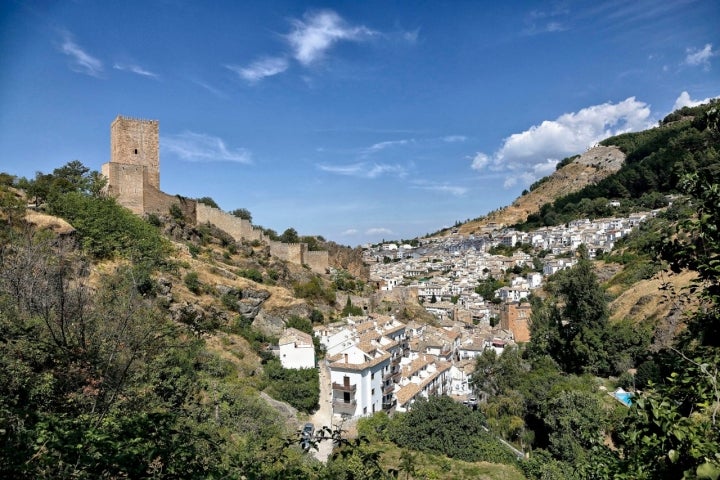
[442, 425]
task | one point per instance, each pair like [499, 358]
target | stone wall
[159, 202]
[290, 252]
[238, 228]
[318, 261]
[126, 184]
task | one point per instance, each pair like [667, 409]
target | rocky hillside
[590, 167]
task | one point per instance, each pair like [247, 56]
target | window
[136, 151]
[372, 376]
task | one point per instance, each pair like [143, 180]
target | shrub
[192, 282]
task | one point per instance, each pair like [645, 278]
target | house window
[372, 392]
[372, 376]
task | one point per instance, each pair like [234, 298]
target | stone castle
[133, 174]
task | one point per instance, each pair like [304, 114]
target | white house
[296, 349]
[358, 380]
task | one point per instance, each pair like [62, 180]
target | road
[323, 417]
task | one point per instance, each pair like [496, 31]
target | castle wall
[137, 142]
[238, 228]
[318, 261]
[133, 175]
[290, 252]
[126, 184]
[159, 202]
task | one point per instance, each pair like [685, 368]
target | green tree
[209, 202]
[243, 213]
[573, 425]
[290, 236]
[574, 326]
[442, 425]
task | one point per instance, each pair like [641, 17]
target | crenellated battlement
[133, 175]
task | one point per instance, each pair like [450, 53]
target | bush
[107, 230]
[252, 274]
[192, 282]
[299, 388]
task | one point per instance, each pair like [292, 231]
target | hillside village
[377, 363]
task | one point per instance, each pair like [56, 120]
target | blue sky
[357, 121]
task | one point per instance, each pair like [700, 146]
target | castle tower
[136, 142]
[134, 167]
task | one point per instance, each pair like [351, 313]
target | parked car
[307, 433]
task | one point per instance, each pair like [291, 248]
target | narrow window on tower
[136, 151]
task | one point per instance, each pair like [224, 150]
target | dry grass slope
[591, 167]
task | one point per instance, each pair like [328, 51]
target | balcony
[344, 388]
[388, 389]
[389, 404]
[346, 408]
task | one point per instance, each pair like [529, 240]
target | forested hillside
[138, 347]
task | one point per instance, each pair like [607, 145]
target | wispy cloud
[317, 32]
[199, 147]
[136, 69]
[349, 232]
[260, 69]
[365, 170]
[215, 91]
[385, 145]
[378, 231]
[454, 190]
[533, 153]
[81, 61]
[541, 21]
[309, 41]
[411, 36]
[454, 138]
[699, 57]
[684, 100]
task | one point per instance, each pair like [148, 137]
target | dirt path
[323, 417]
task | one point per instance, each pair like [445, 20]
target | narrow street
[323, 417]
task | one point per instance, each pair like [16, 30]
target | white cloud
[480, 161]
[454, 190]
[260, 69]
[199, 147]
[454, 138]
[383, 145]
[684, 100]
[349, 232]
[701, 57]
[529, 154]
[318, 31]
[82, 62]
[136, 69]
[364, 170]
[378, 231]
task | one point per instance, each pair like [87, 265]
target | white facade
[296, 349]
[357, 381]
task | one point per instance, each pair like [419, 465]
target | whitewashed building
[296, 349]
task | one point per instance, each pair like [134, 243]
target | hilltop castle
[133, 174]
